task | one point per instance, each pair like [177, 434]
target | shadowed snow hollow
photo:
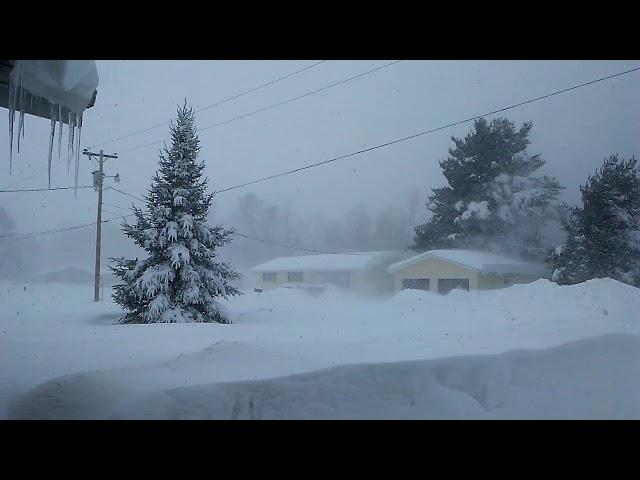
[581, 380]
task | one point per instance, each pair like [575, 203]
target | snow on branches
[181, 280]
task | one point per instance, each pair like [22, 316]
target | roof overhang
[57, 90]
[491, 268]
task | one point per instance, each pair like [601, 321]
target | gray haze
[573, 132]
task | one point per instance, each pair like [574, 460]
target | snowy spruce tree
[492, 201]
[603, 237]
[180, 280]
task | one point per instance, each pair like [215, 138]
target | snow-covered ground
[62, 357]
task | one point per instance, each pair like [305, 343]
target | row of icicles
[19, 98]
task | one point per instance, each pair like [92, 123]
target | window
[268, 276]
[294, 276]
[416, 283]
[445, 285]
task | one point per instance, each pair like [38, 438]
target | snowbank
[61, 353]
[581, 380]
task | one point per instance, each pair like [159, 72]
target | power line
[326, 87]
[382, 145]
[353, 154]
[19, 236]
[116, 206]
[247, 114]
[197, 111]
[246, 92]
[47, 232]
[45, 189]
[261, 239]
[127, 194]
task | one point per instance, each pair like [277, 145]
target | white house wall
[367, 282]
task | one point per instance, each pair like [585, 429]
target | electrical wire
[264, 109]
[410, 137]
[246, 92]
[45, 189]
[336, 159]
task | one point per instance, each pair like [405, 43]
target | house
[361, 272]
[444, 270]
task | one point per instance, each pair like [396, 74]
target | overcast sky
[572, 131]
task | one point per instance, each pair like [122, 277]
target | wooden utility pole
[98, 181]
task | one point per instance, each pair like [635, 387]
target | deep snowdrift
[580, 380]
[62, 357]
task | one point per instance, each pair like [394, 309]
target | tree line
[495, 200]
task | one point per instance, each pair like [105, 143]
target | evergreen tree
[180, 279]
[603, 237]
[492, 200]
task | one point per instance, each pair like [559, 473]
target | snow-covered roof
[483, 262]
[60, 90]
[68, 84]
[329, 262]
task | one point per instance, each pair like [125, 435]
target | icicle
[26, 94]
[51, 137]
[23, 124]
[79, 125]
[70, 142]
[72, 126]
[14, 84]
[11, 118]
[21, 120]
[60, 130]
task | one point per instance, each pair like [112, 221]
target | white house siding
[308, 278]
[281, 277]
[364, 272]
[371, 282]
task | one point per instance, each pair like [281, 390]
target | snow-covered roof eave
[395, 267]
[345, 262]
[265, 267]
[60, 90]
[35, 104]
[303, 270]
[521, 268]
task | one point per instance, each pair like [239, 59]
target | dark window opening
[269, 276]
[445, 285]
[294, 276]
[416, 283]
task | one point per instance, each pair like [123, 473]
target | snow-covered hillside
[62, 357]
